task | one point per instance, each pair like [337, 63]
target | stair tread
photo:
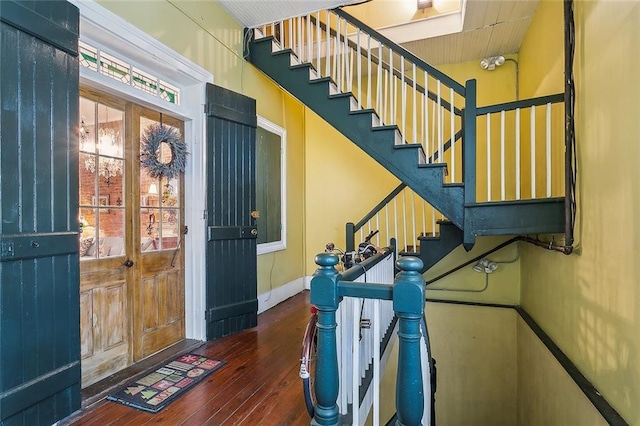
[385, 127]
[286, 51]
[302, 65]
[340, 95]
[363, 111]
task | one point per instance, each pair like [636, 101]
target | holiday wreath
[153, 137]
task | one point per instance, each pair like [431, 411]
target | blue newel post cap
[408, 287]
[326, 259]
[409, 264]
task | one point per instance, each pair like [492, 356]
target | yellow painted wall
[502, 286]
[589, 302]
[547, 395]
[475, 350]
[345, 184]
[206, 34]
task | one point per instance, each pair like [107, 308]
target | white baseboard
[279, 294]
[307, 282]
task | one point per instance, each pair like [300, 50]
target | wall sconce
[486, 266]
[492, 62]
[153, 189]
[423, 4]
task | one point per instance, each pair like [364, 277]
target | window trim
[282, 243]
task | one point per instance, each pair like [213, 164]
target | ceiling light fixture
[423, 4]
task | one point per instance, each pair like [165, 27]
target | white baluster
[379, 85]
[413, 217]
[345, 52]
[309, 41]
[424, 218]
[318, 44]
[453, 135]
[369, 103]
[548, 150]
[395, 219]
[386, 217]
[489, 157]
[403, 100]
[327, 62]
[440, 135]
[404, 218]
[359, 68]
[533, 151]
[502, 165]
[392, 84]
[376, 362]
[299, 49]
[433, 222]
[426, 117]
[355, 378]
[517, 153]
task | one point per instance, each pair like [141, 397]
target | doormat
[161, 387]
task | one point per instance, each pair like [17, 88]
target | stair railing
[523, 149]
[403, 90]
[402, 215]
[329, 291]
[365, 336]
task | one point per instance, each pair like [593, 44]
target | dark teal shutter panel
[39, 269]
[232, 303]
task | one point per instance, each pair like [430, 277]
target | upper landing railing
[328, 288]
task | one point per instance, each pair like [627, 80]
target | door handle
[128, 263]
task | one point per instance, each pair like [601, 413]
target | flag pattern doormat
[158, 389]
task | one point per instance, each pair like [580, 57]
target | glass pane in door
[101, 189]
[159, 201]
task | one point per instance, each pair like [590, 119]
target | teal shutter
[39, 269]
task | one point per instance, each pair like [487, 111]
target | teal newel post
[324, 295]
[469, 118]
[408, 303]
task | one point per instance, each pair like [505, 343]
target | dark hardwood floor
[259, 385]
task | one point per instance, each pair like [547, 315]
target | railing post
[350, 238]
[324, 295]
[469, 157]
[408, 303]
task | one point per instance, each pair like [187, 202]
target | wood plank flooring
[259, 385]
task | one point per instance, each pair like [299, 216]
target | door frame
[105, 30]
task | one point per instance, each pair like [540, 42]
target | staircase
[423, 127]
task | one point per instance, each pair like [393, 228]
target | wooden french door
[131, 262]
[158, 293]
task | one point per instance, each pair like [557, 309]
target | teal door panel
[232, 303]
[39, 268]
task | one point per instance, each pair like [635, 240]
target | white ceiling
[488, 27]
[252, 13]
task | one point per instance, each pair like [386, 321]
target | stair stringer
[427, 180]
[434, 249]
